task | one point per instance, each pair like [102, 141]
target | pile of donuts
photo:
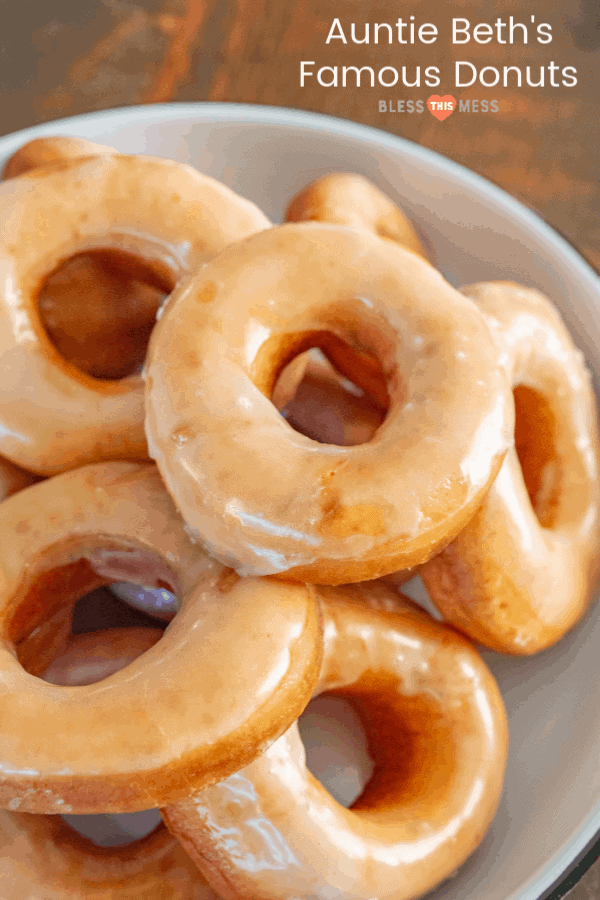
[278, 426]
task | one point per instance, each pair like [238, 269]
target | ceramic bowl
[550, 808]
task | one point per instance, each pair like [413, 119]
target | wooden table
[542, 145]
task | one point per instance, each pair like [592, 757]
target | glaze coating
[42, 858]
[520, 574]
[106, 336]
[49, 150]
[216, 690]
[53, 416]
[319, 512]
[437, 732]
[348, 199]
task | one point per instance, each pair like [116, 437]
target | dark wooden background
[62, 57]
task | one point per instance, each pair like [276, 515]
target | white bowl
[551, 804]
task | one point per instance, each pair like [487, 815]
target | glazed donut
[235, 667]
[42, 857]
[107, 337]
[520, 574]
[346, 199]
[50, 150]
[53, 416]
[437, 732]
[302, 510]
[325, 409]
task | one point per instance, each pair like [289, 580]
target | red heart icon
[441, 107]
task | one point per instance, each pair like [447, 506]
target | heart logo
[441, 107]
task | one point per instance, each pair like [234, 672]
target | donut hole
[325, 405]
[104, 608]
[336, 747]
[411, 743]
[66, 593]
[115, 830]
[535, 443]
[98, 308]
[374, 747]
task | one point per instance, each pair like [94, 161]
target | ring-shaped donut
[49, 150]
[234, 668]
[106, 337]
[53, 416]
[269, 500]
[43, 856]
[344, 198]
[436, 729]
[520, 574]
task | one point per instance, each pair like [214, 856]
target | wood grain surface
[68, 57]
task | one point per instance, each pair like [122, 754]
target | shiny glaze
[321, 405]
[49, 150]
[53, 416]
[437, 732]
[318, 512]
[42, 858]
[107, 336]
[519, 576]
[234, 668]
[347, 199]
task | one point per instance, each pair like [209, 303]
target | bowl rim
[584, 847]
[280, 115]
